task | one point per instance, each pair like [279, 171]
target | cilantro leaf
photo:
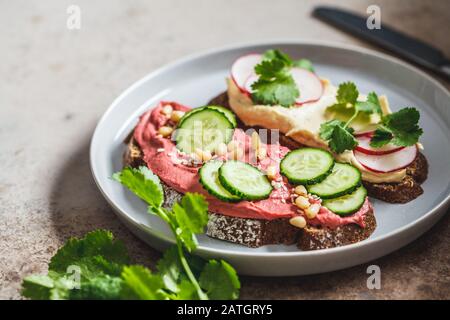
[220, 280]
[275, 84]
[381, 137]
[370, 106]
[37, 287]
[191, 216]
[304, 64]
[339, 137]
[401, 128]
[169, 267]
[140, 283]
[347, 93]
[281, 90]
[96, 252]
[142, 182]
[277, 54]
[101, 287]
[87, 268]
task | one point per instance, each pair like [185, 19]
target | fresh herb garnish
[400, 128]
[339, 134]
[103, 267]
[275, 84]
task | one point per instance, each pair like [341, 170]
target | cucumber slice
[348, 204]
[245, 181]
[343, 179]
[209, 178]
[203, 129]
[307, 165]
[227, 112]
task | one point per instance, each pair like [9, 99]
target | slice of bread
[401, 192]
[259, 232]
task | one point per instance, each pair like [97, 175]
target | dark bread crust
[401, 192]
[259, 232]
[321, 238]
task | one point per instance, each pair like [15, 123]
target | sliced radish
[243, 67]
[364, 134]
[388, 162]
[250, 80]
[308, 84]
[365, 147]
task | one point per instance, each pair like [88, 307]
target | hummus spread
[175, 170]
[303, 123]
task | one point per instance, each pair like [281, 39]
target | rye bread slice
[259, 232]
[402, 192]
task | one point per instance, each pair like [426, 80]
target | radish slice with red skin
[309, 85]
[365, 147]
[388, 162]
[243, 67]
[364, 134]
[248, 83]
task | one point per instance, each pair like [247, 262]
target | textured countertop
[56, 83]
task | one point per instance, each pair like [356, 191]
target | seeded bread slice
[401, 192]
[258, 232]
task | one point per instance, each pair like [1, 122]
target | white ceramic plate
[195, 80]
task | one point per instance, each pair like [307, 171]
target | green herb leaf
[371, 105]
[347, 93]
[141, 284]
[220, 280]
[143, 183]
[191, 216]
[275, 84]
[401, 128]
[381, 137]
[304, 64]
[339, 137]
[277, 54]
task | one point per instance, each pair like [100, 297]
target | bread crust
[401, 192]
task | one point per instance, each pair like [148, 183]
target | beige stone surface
[56, 83]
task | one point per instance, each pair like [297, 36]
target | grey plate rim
[225, 252]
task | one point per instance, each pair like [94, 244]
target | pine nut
[176, 115]
[167, 110]
[312, 211]
[302, 202]
[256, 142]
[221, 149]
[165, 131]
[236, 153]
[300, 190]
[271, 172]
[232, 145]
[298, 222]
[203, 155]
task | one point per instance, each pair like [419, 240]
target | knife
[405, 46]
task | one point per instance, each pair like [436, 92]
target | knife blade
[403, 45]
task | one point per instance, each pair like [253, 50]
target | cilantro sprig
[275, 85]
[102, 265]
[400, 128]
[339, 134]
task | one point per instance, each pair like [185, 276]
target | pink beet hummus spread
[174, 169]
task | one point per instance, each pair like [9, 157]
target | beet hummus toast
[295, 166]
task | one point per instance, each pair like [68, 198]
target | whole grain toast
[402, 192]
[259, 232]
